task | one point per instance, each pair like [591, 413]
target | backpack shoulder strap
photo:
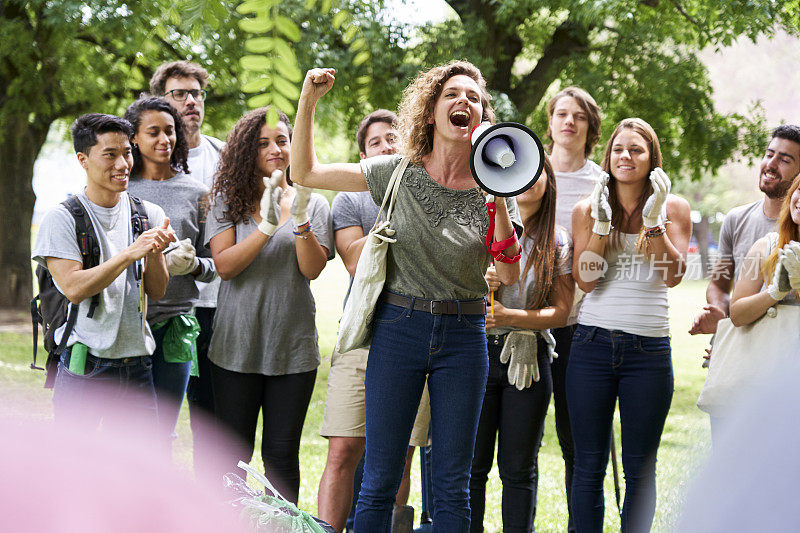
[139, 220]
[87, 241]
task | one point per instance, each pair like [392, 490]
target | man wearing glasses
[183, 85]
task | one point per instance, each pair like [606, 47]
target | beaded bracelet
[302, 233]
[655, 231]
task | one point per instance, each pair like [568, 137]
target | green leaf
[342, 17]
[288, 70]
[256, 25]
[283, 104]
[253, 6]
[260, 100]
[257, 85]
[310, 4]
[350, 33]
[361, 58]
[284, 50]
[364, 80]
[358, 44]
[287, 27]
[272, 117]
[286, 88]
[258, 45]
[325, 7]
[256, 63]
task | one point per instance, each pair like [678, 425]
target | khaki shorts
[344, 405]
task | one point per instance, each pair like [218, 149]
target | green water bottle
[77, 359]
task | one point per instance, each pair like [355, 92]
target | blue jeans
[111, 390]
[603, 366]
[170, 381]
[407, 347]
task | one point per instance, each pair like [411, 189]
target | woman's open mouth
[459, 119]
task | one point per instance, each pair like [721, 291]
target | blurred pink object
[70, 478]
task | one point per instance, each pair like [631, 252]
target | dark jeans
[516, 417]
[169, 380]
[406, 347]
[606, 365]
[283, 402]
[563, 337]
[114, 391]
[200, 394]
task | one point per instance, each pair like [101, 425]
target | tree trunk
[19, 145]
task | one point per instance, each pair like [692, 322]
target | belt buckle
[432, 311]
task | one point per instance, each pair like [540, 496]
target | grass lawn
[684, 445]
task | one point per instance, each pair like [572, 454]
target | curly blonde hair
[419, 99]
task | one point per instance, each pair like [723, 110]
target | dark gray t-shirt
[183, 200]
[742, 227]
[116, 330]
[440, 251]
[351, 209]
[264, 322]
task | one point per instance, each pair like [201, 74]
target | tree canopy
[59, 59]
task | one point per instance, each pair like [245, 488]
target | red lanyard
[496, 249]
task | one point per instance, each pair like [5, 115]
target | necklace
[108, 219]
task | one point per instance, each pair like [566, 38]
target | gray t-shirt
[203, 161]
[183, 200]
[353, 209]
[518, 295]
[117, 329]
[742, 227]
[264, 322]
[440, 251]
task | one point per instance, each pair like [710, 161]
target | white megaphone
[506, 158]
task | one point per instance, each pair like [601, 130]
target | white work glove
[780, 285]
[300, 204]
[654, 212]
[269, 217]
[791, 262]
[182, 259]
[601, 209]
[519, 351]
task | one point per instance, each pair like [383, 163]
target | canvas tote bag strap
[391, 190]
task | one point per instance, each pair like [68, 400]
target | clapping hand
[300, 204]
[601, 208]
[791, 262]
[654, 212]
[706, 322]
[781, 284]
[182, 259]
[269, 216]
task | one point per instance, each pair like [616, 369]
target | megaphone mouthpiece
[500, 152]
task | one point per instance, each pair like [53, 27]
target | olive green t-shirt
[440, 251]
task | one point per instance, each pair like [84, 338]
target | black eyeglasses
[179, 95]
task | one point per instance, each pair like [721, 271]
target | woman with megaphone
[520, 348]
[429, 322]
[630, 242]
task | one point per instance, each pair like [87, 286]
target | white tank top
[631, 296]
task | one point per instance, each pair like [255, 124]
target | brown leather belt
[436, 307]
